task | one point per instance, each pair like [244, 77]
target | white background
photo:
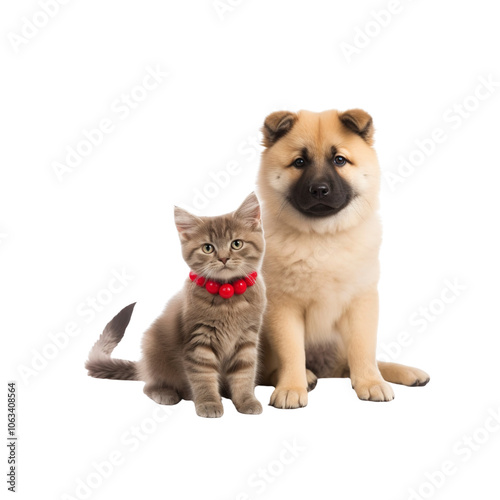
[61, 239]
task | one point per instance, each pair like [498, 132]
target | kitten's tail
[100, 363]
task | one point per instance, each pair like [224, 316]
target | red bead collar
[225, 290]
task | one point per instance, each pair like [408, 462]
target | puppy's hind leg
[312, 380]
[401, 374]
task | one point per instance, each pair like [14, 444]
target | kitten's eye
[207, 248]
[299, 163]
[340, 161]
[236, 244]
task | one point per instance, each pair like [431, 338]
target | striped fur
[202, 346]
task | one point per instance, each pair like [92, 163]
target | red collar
[225, 290]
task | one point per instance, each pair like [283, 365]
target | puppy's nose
[224, 260]
[319, 190]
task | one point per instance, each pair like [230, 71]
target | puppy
[318, 182]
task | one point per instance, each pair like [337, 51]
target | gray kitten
[205, 344]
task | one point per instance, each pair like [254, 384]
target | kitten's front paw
[210, 410]
[289, 397]
[249, 407]
[374, 390]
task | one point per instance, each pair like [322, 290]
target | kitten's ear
[186, 223]
[249, 211]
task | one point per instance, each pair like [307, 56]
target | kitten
[205, 344]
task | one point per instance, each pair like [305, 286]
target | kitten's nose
[224, 260]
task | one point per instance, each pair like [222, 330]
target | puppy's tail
[100, 363]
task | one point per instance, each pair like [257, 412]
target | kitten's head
[224, 247]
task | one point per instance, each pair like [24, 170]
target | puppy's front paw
[209, 410]
[374, 390]
[289, 397]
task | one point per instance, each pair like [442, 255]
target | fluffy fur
[321, 264]
[202, 346]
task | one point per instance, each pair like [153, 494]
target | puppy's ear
[276, 125]
[359, 122]
[186, 223]
[249, 212]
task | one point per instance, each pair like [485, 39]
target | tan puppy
[318, 182]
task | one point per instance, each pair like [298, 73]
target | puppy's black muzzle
[321, 195]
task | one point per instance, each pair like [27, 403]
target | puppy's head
[319, 170]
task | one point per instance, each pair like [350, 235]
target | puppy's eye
[236, 244]
[207, 248]
[299, 163]
[340, 161]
